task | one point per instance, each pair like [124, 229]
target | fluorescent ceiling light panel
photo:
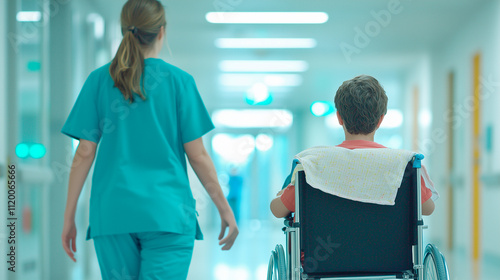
[265, 43]
[283, 80]
[263, 66]
[271, 80]
[267, 17]
[29, 16]
[253, 118]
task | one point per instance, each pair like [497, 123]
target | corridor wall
[479, 34]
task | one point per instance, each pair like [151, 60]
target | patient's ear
[341, 122]
[380, 121]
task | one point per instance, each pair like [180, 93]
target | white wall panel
[478, 34]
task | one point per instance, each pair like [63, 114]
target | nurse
[146, 115]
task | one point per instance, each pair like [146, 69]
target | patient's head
[361, 103]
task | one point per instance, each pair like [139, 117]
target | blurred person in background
[234, 197]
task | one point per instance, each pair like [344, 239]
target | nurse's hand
[227, 220]
[69, 237]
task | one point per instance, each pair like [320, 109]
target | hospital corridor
[136, 118]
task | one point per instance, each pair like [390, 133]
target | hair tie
[132, 29]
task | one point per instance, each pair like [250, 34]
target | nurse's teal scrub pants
[144, 255]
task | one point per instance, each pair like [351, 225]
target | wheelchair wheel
[277, 266]
[434, 264]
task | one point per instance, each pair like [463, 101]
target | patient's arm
[278, 208]
[428, 207]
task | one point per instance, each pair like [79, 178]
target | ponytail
[127, 67]
[141, 22]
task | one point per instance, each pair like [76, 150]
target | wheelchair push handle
[417, 160]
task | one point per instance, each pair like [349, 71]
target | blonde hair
[141, 22]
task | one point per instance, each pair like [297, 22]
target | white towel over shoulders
[366, 175]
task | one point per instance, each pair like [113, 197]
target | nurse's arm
[205, 170]
[82, 161]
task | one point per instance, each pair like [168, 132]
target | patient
[361, 107]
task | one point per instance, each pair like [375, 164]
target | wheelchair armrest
[288, 221]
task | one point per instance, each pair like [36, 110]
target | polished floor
[247, 260]
[462, 268]
[249, 257]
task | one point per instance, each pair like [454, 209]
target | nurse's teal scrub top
[140, 180]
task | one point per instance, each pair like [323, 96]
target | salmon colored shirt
[288, 196]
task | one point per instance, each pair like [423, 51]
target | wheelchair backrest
[341, 236]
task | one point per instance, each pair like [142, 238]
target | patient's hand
[428, 207]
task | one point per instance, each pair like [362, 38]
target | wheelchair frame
[294, 269]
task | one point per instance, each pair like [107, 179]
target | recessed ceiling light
[267, 17]
[265, 43]
[263, 66]
[271, 80]
[27, 16]
[252, 118]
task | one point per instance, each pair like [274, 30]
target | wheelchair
[346, 239]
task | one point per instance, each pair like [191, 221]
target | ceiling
[419, 27]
